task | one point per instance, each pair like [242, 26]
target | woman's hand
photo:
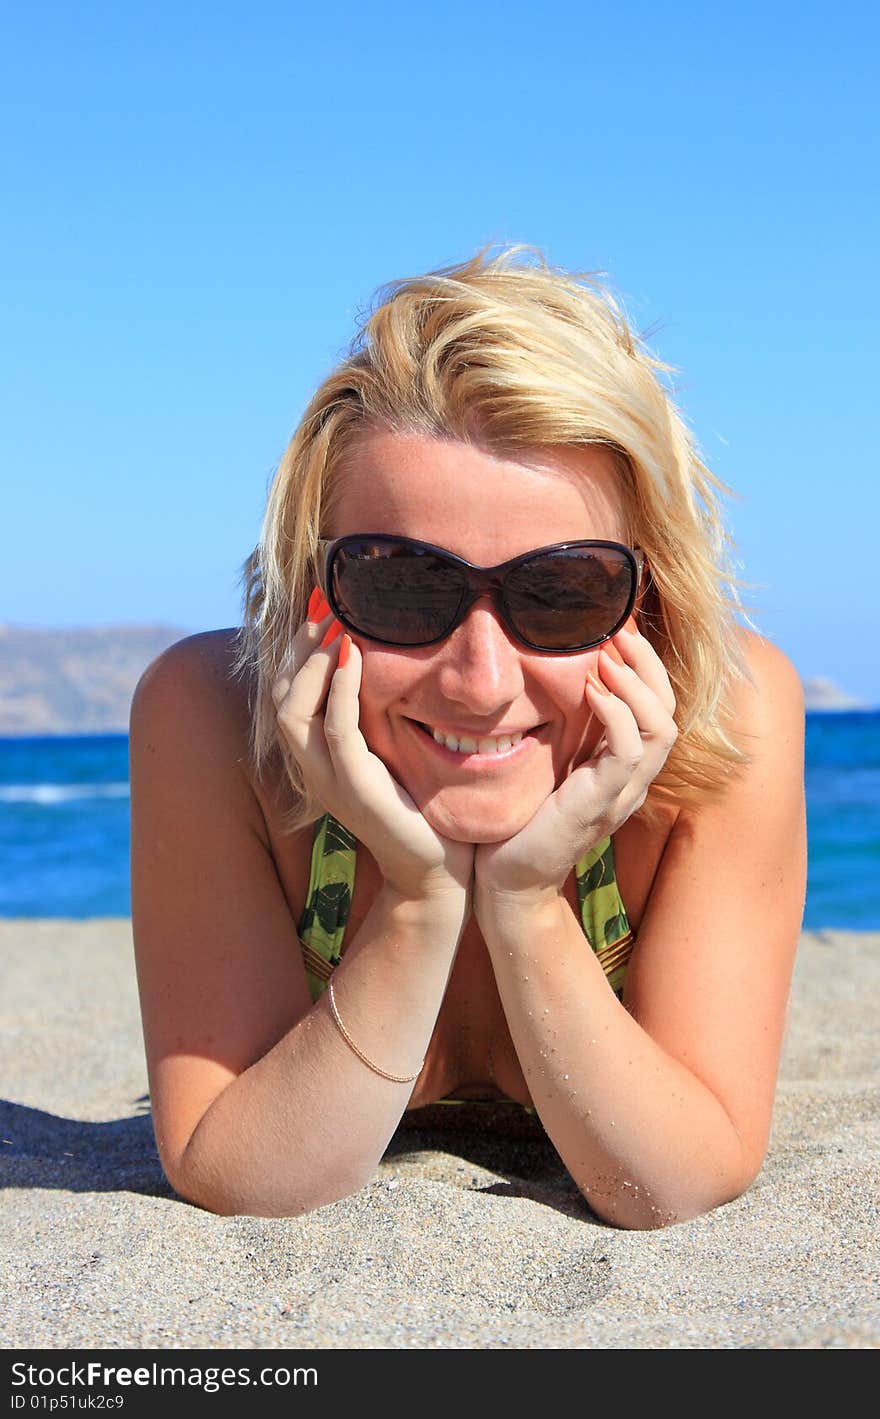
[634, 702]
[317, 709]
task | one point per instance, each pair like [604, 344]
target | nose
[481, 667]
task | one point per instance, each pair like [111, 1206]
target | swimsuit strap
[331, 886]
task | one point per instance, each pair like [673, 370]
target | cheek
[386, 680]
[569, 686]
[579, 728]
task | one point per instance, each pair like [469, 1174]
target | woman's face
[479, 682]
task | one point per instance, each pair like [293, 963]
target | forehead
[484, 506]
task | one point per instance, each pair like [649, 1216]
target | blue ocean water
[64, 824]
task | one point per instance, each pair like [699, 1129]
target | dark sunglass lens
[570, 598]
[395, 593]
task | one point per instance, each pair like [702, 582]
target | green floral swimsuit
[331, 884]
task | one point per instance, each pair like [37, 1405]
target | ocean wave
[48, 794]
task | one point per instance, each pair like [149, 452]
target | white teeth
[466, 745]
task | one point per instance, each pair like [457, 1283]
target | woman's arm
[259, 1105]
[661, 1110]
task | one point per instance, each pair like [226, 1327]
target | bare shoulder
[767, 721]
[774, 682]
[197, 672]
[191, 697]
[768, 716]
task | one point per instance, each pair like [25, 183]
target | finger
[318, 606]
[307, 637]
[637, 652]
[332, 633]
[342, 714]
[648, 709]
[634, 752]
[614, 766]
[353, 761]
[360, 775]
[299, 712]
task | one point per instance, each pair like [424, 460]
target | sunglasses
[398, 591]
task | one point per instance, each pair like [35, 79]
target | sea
[64, 824]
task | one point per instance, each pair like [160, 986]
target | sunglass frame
[480, 581]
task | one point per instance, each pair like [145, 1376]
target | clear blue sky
[198, 199]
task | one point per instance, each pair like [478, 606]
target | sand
[459, 1242]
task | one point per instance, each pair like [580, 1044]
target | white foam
[52, 793]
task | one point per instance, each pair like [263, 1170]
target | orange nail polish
[611, 650]
[331, 633]
[597, 683]
[344, 648]
[318, 607]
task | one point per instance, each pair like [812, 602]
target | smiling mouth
[489, 746]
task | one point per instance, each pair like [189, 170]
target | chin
[486, 825]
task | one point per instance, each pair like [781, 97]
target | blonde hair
[506, 351]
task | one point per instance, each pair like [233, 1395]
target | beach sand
[460, 1241]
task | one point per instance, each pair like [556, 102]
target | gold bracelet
[395, 1078]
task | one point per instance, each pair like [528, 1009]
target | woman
[490, 659]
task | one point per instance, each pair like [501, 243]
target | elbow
[226, 1193]
[227, 1200]
[642, 1209]
[651, 1216]
[199, 1187]
[222, 1200]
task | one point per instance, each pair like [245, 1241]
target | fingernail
[318, 607]
[344, 648]
[611, 650]
[331, 633]
[597, 683]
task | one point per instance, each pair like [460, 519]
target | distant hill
[82, 681]
[74, 681]
[822, 694]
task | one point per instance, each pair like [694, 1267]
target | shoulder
[191, 722]
[767, 703]
[759, 810]
[193, 686]
[190, 715]
[199, 665]
[770, 669]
